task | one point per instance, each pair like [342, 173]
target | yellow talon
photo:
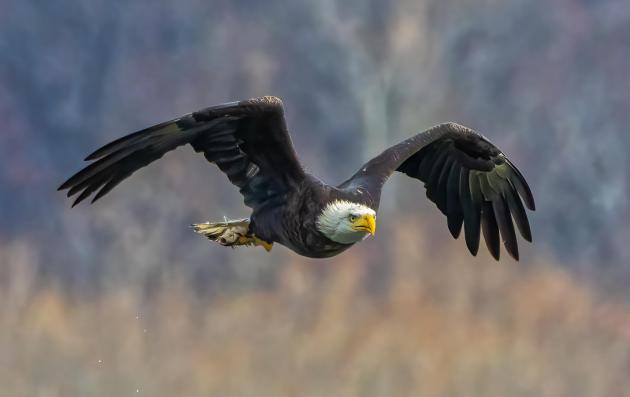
[267, 246]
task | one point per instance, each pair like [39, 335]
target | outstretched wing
[467, 177]
[247, 140]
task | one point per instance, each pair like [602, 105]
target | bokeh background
[122, 299]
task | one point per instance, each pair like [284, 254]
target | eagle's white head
[346, 222]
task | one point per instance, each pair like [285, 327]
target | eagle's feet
[231, 234]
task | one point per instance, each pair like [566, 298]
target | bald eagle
[469, 179]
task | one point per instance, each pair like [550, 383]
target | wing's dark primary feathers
[466, 176]
[248, 141]
[475, 186]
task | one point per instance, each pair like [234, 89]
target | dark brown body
[294, 225]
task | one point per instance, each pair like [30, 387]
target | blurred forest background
[122, 299]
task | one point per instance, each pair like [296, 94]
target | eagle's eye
[353, 217]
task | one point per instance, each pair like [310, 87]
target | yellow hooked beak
[365, 223]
